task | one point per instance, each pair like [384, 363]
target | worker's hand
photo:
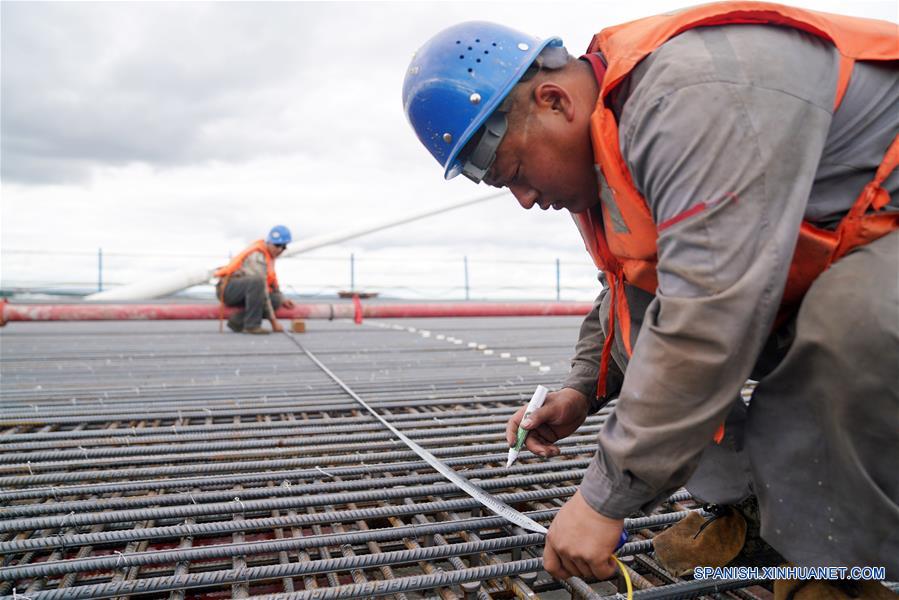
[287, 303]
[276, 326]
[561, 414]
[581, 542]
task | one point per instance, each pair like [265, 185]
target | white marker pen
[536, 402]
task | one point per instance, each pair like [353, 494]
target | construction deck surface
[168, 460]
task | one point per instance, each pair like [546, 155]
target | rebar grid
[167, 460]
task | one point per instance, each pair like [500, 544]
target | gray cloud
[173, 84]
[161, 84]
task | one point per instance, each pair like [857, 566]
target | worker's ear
[552, 96]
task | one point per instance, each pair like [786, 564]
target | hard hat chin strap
[480, 159]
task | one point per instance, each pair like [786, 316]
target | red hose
[153, 312]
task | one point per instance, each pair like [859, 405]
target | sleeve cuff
[582, 377]
[616, 495]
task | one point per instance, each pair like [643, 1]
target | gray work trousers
[823, 426]
[249, 293]
[819, 442]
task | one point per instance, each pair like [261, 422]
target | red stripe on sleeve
[693, 210]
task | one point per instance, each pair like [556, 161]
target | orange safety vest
[629, 254]
[237, 261]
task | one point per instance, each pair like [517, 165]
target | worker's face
[276, 250]
[545, 158]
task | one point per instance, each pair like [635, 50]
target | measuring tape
[486, 500]
[494, 504]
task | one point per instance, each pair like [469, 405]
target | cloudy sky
[173, 133]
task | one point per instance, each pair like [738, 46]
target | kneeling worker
[249, 282]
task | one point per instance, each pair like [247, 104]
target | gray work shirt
[254, 265]
[740, 118]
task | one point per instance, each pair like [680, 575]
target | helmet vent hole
[460, 41]
[470, 70]
[477, 41]
[461, 56]
[486, 51]
[478, 60]
[493, 44]
[469, 47]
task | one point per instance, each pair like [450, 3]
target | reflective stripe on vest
[258, 246]
[623, 242]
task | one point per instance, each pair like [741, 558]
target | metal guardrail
[82, 272]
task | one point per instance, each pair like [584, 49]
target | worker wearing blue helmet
[249, 282]
[718, 162]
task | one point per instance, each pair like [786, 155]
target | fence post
[99, 269]
[558, 281]
[465, 261]
[352, 272]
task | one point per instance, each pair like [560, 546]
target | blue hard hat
[458, 78]
[279, 235]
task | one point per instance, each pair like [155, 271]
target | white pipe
[157, 286]
[340, 236]
[165, 285]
